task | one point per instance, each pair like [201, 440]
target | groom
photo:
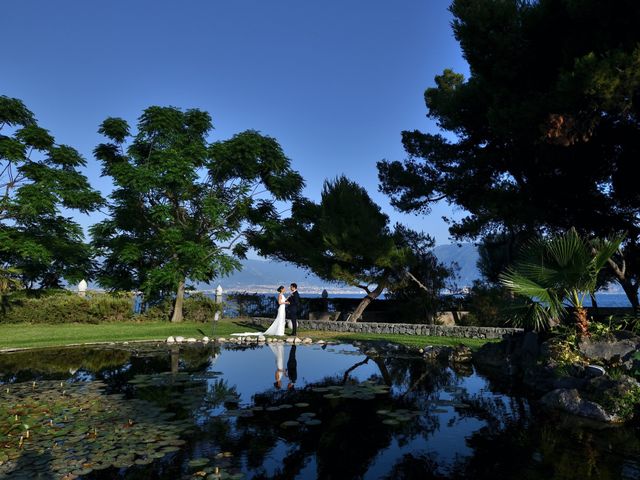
[294, 304]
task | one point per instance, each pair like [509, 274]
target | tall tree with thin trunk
[182, 206]
[39, 180]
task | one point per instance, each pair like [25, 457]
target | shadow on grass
[247, 324]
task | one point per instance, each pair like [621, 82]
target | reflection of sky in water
[254, 370]
[445, 432]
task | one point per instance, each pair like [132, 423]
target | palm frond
[605, 249]
[530, 315]
[524, 286]
[556, 270]
[568, 249]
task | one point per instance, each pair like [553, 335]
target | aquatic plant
[68, 428]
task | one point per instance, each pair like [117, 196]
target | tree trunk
[631, 290]
[383, 370]
[177, 306]
[622, 277]
[371, 296]
[582, 321]
[594, 302]
[175, 359]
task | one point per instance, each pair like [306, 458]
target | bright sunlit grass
[42, 335]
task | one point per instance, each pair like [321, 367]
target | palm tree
[556, 273]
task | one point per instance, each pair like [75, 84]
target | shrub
[486, 307]
[61, 306]
[197, 308]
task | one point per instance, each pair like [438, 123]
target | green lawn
[41, 335]
[408, 340]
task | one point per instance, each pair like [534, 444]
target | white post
[82, 288]
[218, 301]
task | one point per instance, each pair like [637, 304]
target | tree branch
[352, 368]
[420, 284]
[436, 199]
[619, 271]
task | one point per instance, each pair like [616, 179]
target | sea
[604, 299]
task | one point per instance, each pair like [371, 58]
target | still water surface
[336, 411]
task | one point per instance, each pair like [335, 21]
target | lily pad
[290, 423]
[198, 462]
[312, 422]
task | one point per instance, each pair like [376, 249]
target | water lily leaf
[289, 423]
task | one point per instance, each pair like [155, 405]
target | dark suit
[292, 366]
[294, 304]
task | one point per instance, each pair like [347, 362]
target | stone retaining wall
[399, 328]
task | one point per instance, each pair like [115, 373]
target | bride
[277, 327]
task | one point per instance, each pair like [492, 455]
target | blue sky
[335, 82]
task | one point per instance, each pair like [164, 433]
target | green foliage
[38, 178]
[613, 323]
[497, 252]
[621, 398]
[9, 280]
[197, 308]
[346, 238]
[554, 271]
[60, 306]
[182, 206]
[488, 307]
[413, 302]
[563, 352]
[630, 323]
[543, 135]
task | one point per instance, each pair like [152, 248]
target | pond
[287, 412]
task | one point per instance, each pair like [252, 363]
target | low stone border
[397, 328]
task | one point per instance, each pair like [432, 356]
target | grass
[408, 340]
[23, 335]
[33, 336]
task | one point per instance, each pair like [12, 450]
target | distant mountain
[266, 275]
[465, 259]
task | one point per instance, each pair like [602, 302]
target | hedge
[62, 306]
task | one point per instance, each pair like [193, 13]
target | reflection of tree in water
[515, 442]
[185, 389]
[58, 364]
[417, 381]
[416, 467]
[351, 434]
[348, 427]
[519, 443]
[26, 461]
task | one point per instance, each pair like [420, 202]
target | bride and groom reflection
[291, 371]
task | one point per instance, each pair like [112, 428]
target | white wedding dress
[277, 327]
